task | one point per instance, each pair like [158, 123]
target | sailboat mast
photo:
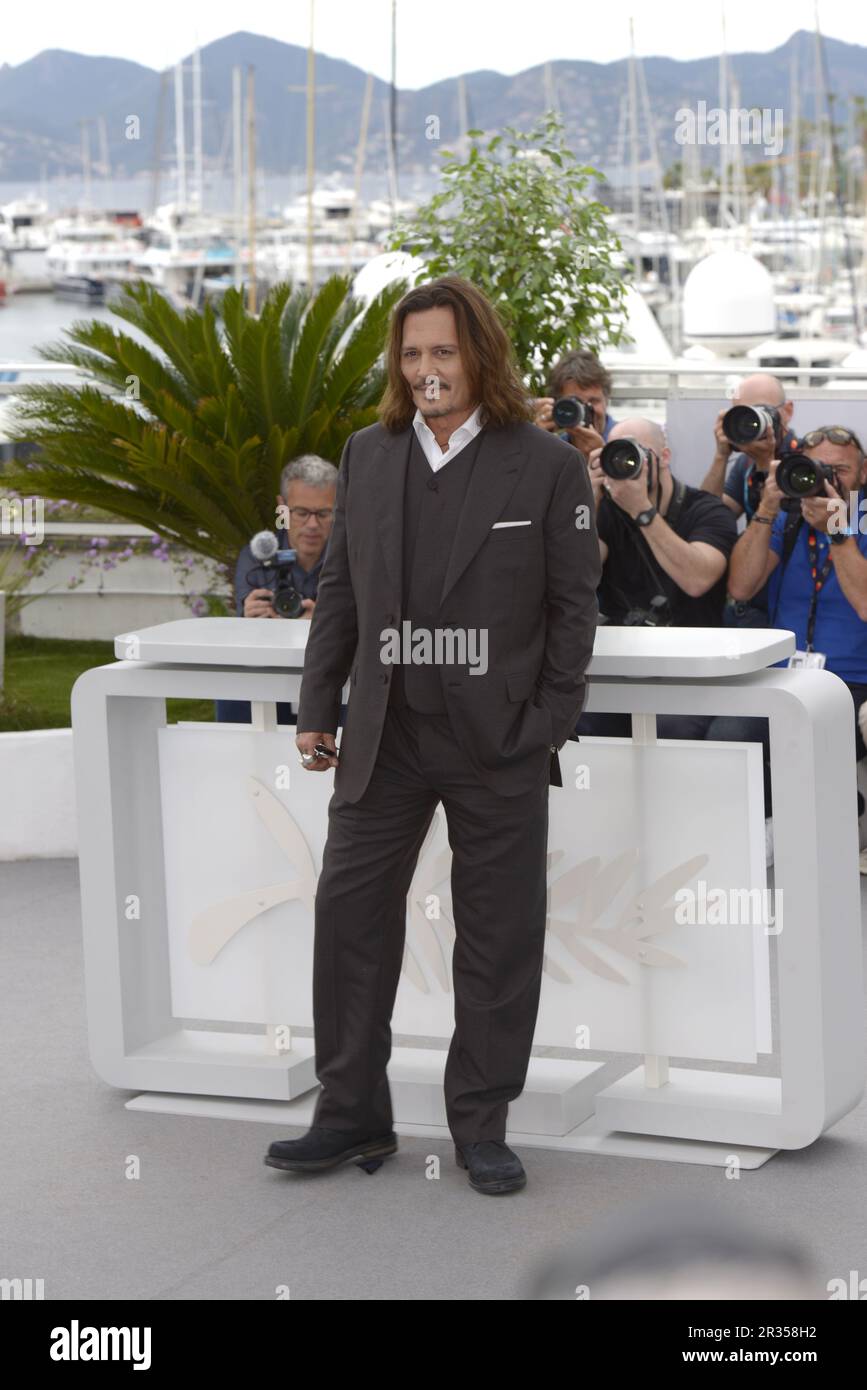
[198, 170]
[311, 144]
[359, 160]
[633, 150]
[463, 120]
[723, 148]
[251, 191]
[85, 159]
[103, 150]
[158, 140]
[180, 151]
[392, 111]
[238, 171]
[795, 144]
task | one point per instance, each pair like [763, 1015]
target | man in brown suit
[460, 525]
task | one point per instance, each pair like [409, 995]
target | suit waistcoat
[432, 507]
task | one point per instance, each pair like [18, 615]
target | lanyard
[818, 581]
[749, 508]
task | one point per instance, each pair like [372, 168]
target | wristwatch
[838, 537]
[644, 518]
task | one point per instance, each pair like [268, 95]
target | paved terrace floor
[206, 1220]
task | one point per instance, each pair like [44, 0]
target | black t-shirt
[627, 581]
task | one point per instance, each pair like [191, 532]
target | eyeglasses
[835, 434]
[303, 514]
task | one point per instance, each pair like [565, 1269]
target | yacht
[183, 251]
[99, 249]
[24, 243]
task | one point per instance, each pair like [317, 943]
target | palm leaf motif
[592, 887]
[215, 927]
[588, 884]
[643, 917]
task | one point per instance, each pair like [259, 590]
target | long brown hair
[486, 354]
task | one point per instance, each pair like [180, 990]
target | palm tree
[189, 437]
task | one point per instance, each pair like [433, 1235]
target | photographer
[659, 537]
[749, 460]
[579, 375]
[815, 566]
[305, 512]
[664, 548]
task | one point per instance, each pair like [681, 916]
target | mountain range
[44, 100]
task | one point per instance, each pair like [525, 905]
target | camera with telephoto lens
[570, 411]
[624, 458]
[800, 476]
[657, 615]
[274, 572]
[744, 424]
[287, 601]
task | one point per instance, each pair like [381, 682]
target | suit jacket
[532, 587]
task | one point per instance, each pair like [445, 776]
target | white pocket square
[498, 524]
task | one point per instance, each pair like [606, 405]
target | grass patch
[40, 674]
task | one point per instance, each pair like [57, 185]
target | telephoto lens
[800, 476]
[569, 411]
[623, 458]
[744, 424]
[287, 602]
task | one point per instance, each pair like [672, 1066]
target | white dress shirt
[461, 437]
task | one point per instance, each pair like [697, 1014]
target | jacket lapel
[387, 489]
[498, 467]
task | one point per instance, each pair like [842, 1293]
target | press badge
[806, 659]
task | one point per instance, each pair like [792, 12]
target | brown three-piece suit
[411, 544]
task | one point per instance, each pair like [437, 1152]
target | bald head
[647, 432]
[762, 388]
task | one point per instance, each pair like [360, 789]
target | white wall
[139, 592]
[37, 805]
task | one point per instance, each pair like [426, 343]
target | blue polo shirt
[740, 485]
[839, 632]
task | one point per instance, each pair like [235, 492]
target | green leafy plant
[516, 219]
[187, 433]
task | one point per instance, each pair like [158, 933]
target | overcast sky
[436, 38]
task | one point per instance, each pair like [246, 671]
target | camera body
[275, 573]
[570, 411]
[659, 614]
[624, 458]
[799, 476]
[744, 424]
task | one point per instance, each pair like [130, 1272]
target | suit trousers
[499, 892]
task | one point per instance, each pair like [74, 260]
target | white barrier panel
[200, 849]
[621, 975]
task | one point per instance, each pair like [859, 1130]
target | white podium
[702, 1026]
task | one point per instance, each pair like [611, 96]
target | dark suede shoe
[492, 1166]
[323, 1148]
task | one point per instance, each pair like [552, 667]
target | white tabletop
[641, 653]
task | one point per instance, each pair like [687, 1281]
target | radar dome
[383, 270]
[728, 303]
